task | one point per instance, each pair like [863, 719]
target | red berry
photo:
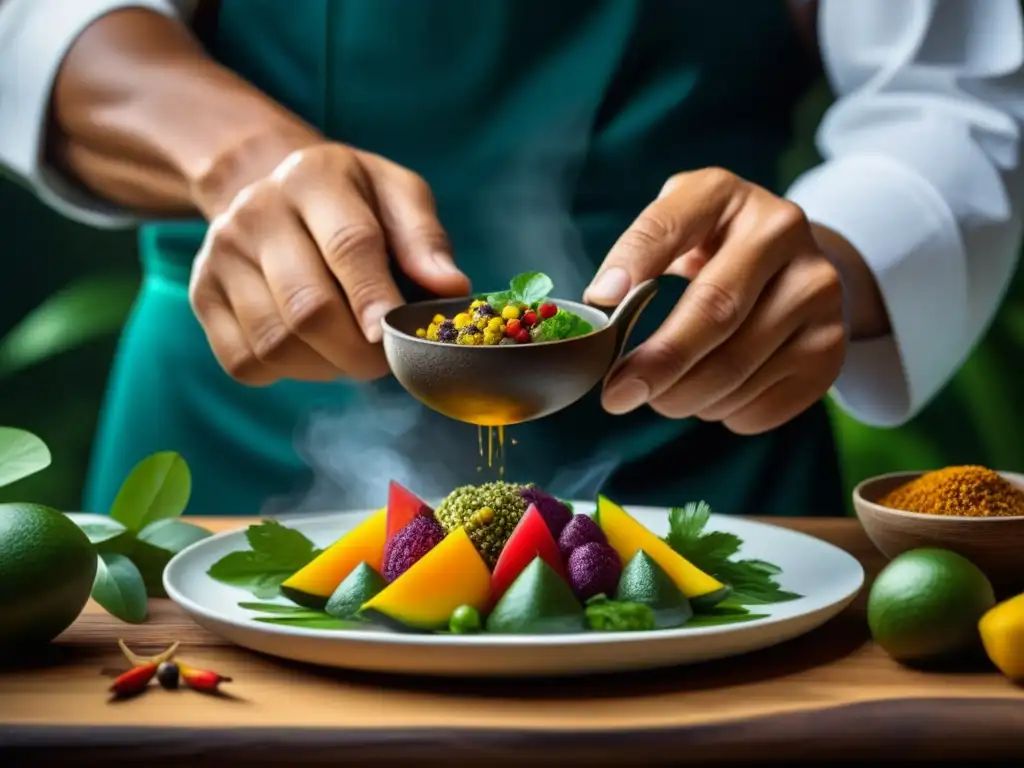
[530, 319]
[523, 336]
[548, 310]
[512, 328]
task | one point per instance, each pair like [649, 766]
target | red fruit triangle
[403, 506]
[530, 539]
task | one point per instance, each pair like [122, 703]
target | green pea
[465, 620]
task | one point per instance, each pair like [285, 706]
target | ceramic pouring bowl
[503, 385]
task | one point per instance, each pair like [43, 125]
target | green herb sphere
[463, 503]
[465, 620]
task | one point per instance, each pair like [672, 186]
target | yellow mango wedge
[1002, 634]
[424, 597]
[312, 585]
[627, 536]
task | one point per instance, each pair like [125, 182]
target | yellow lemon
[1002, 634]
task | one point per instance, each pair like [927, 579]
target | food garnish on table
[502, 558]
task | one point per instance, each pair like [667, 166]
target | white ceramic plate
[826, 576]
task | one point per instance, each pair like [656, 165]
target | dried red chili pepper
[134, 680]
[201, 679]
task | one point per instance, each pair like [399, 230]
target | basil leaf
[531, 287]
[156, 489]
[21, 454]
[119, 588]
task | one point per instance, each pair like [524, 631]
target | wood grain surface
[829, 693]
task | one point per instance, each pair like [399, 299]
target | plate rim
[497, 640]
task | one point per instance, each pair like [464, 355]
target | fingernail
[627, 395]
[372, 316]
[610, 286]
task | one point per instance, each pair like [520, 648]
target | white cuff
[35, 36]
[910, 240]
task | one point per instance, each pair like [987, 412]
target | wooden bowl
[994, 544]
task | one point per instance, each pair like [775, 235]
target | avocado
[643, 581]
[538, 602]
[355, 590]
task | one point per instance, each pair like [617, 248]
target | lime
[925, 606]
[47, 567]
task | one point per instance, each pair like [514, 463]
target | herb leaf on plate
[752, 581]
[277, 552]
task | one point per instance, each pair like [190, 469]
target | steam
[520, 220]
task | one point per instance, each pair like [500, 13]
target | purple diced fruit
[594, 568]
[580, 530]
[412, 542]
[556, 515]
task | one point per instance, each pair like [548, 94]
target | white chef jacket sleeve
[922, 175]
[35, 36]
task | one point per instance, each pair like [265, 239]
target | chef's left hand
[758, 335]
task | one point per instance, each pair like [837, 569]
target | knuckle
[223, 238]
[786, 217]
[305, 307]
[823, 286]
[716, 177]
[718, 306]
[269, 338]
[353, 243]
[650, 230]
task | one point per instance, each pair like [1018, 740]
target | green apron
[543, 127]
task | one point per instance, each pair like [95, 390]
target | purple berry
[446, 332]
[580, 530]
[412, 542]
[594, 568]
[556, 515]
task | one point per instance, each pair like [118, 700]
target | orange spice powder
[966, 491]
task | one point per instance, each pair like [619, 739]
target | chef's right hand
[293, 279]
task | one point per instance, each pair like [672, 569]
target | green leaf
[285, 610]
[172, 535]
[156, 489]
[320, 622]
[21, 454]
[562, 325]
[285, 543]
[713, 620]
[99, 528]
[752, 581]
[119, 588]
[89, 309]
[277, 552]
[531, 287]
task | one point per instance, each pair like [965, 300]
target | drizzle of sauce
[495, 448]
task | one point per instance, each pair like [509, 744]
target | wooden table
[830, 694]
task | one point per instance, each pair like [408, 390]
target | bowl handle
[626, 314]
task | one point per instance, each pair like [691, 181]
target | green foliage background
[76, 285]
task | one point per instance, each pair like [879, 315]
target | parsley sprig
[752, 581]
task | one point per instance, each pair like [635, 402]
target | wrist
[864, 311]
